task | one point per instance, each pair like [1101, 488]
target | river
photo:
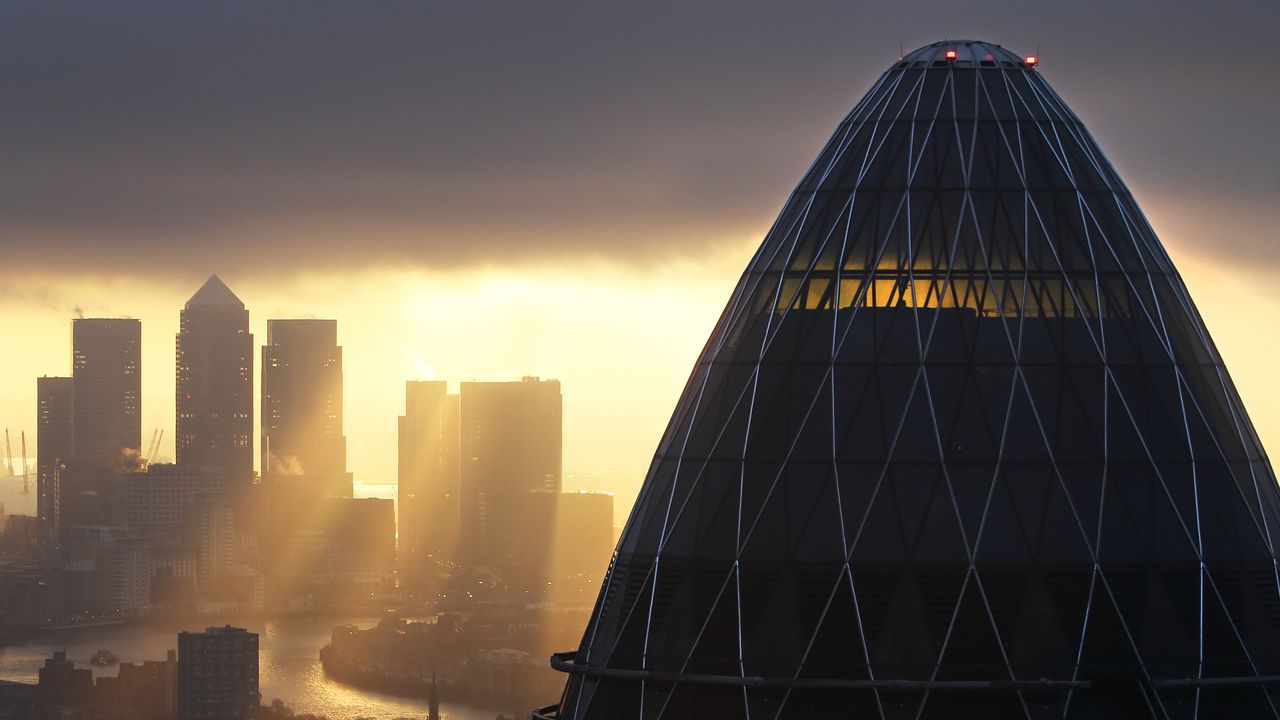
[289, 665]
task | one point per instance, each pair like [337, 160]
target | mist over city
[573, 361]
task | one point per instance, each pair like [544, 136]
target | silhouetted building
[510, 443]
[107, 572]
[61, 683]
[54, 422]
[302, 440]
[215, 383]
[143, 691]
[960, 446]
[218, 674]
[107, 388]
[427, 494]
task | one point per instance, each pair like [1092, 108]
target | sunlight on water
[289, 665]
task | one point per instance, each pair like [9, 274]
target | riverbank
[409, 686]
[289, 664]
[349, 674]
[17, 635]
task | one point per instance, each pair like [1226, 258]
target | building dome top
[967, 52]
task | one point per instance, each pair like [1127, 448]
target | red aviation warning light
[951, 54]
[1032, 60]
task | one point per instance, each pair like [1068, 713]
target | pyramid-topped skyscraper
[214, 360]
[960, 446]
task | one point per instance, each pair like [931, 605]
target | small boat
[102, 658]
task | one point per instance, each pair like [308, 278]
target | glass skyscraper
[960, 446]
[214, 362]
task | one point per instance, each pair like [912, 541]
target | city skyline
[1232, 308]
[157, 352]
[468, 358]
[605, 245]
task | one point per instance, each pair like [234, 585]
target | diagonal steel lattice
[960, 446]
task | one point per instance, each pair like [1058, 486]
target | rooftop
[215, 293]
[967, 52]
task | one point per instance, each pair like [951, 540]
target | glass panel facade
[959, 446]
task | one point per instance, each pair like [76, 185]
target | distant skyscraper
[215, 383]
[54, 419]
[302, 405]
[428, 480]
[218, 674]
[107, 367]
[510, 443]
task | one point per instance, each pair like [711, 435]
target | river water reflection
[288, 658]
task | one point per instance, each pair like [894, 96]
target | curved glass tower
[960, 446]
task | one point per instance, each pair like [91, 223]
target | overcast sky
[568, 189]
[261, 137]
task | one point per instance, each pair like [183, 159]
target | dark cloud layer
[279, 136]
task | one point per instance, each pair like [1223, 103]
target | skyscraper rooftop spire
[215, 293]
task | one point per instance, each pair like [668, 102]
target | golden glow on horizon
[621, 340]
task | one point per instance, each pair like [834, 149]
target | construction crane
[26, 476]
[8, 453]
[153, 448]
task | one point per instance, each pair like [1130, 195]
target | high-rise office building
[510, 443]
[427, 495]
[218, 674]
[214, 425]
[107, 389]
[54, 421]
[302, 440]
[960, 446]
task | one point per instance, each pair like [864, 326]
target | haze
[489, 190]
